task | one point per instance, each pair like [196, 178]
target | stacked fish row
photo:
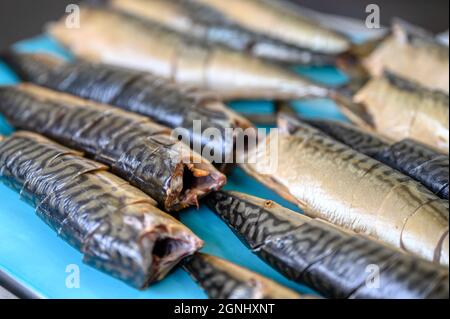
[374, 195]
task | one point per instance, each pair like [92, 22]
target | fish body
[400, 109]
[162, 101]
[136, 149]
[333, 262]
[281, 22]
[210, 26]
[333, 182]
[413, 159]
[118, 228]
[413, 54]
[222, 279]
[112, 37]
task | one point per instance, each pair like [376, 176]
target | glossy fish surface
[161, 100]
[222, 279]
[400, 109]
[276, 20]
[413, 54]
[211, 26]
[135, 148]
[116, 227]
[333, 182]
[113, 37]
[416, 160]
[327, 259]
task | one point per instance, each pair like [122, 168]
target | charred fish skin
[140, 44]
[211, 26]
[277, 21]
[136, 149]
[414, 54]
[162, 101]
[413, 159]
[222, 279]
[400, 109]
[331, 181]
[116, 227]
[327, 259]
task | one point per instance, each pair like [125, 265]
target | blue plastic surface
[32, 254]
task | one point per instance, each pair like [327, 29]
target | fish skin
[413, 159]
[326, 258]
[210, 26]
[400, 109]
[135, 148]
[112, 37]
[162, 101]
[333, 182]
[280, 22]
[222, 279]
[413, 54]
[116, 227]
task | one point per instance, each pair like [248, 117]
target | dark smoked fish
[211, 26]
[116, 227]
[416, 160]
[162, 101]
[333, 182]
[222, 279]
[109, 36]
[135, 148]
[329, 260]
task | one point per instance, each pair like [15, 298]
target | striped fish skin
[116, 227]
[136, 149]
[276, 20]
[140, 44]
[162, 101]
[210, 26]
[333, 182]
[400, 109]
[222, 279]
[413, 159]
[333, 262]
[413, 54]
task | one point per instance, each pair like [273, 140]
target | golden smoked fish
[333, 182]
[222, 279]
[116, 227]
[413, 54]
[279, 21]
[106, 35]
[399, 109]
[211, 26]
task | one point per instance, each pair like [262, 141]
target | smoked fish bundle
[116, 227]
[329, 260]
[138, 150]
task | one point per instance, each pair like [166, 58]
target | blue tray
[34, 257]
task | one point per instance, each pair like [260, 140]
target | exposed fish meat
[116, 227]
[222, 279]
[109, 36]
[416, 160]
[329, 260]
[162, 101]
[210, 26]
[333, 182]
[399, 109]
[135, 148]
[413, 54]
[278, 21]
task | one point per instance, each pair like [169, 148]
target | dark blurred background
[21, 19]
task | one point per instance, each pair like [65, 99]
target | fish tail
[30, 67]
